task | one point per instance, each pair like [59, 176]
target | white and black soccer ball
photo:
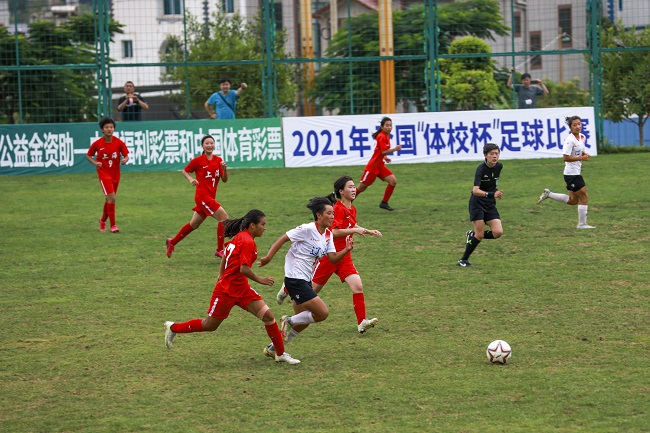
[498, 352]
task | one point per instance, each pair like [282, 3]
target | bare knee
[209, 324]
[321, 315]
[497, 233]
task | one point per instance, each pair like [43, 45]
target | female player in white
[573, 153]
[309, 242]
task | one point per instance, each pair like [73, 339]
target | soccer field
[81, 347]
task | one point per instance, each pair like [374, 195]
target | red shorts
[108, 185]
[206, 207]
[368, 177]
[222, 302]
[325, 269]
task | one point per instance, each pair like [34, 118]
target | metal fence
[70, 61]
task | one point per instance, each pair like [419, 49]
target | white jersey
[308, 245]
[573, 147]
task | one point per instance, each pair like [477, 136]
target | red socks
[388, 193]
[110, 210]
[105, 212]
[220, 230]
[359, 305]
[276, 337]
[184, 231]
[194, 325]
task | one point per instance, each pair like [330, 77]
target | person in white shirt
[573, 153]
[309, 242]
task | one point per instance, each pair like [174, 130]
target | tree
[468, 83]
[228, 38]
[564, 94]
[47, 89]
[333, 89]
[625, 76]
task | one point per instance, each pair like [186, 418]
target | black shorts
[574, 183]
[299, 290]
[484, 209]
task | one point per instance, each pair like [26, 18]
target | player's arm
[190, 179]
[571, 158]
[224, 171]
[246, 271]
[274, 249]
[90, 159]
[337, 256]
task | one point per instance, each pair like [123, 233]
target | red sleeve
[339, 217]
[93, 148]
[192, 166]
[123, 149]
[383, 142]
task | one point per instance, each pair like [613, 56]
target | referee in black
[482, 203]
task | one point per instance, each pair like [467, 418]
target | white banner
[433, 137]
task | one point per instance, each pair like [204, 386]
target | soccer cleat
[469, 234]
[585, 226]
[169, 334]
[367, 324]
[281, 296]
[219, 253]
[285, 357]
[544, 196]
[464, 263]
[286, 326]
[114, 229]
[170, 247]
[102, 226]
[270, 351]
[385, 205]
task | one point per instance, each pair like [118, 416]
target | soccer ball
[498, 352]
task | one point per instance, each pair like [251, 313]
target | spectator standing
[131, 104]
[224, 101]
[527, 94]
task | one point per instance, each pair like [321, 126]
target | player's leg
[388, 192]
[583, 208]
[496, 229]
[220, 215]
[195, 223]
[473, 238]
[366, 180]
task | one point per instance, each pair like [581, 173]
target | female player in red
[233, 287]
[376, 167]
[343, 228]
[209, 168]
[110, 153]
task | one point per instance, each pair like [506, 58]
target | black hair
[225, 80]
[338, 186]
[129, 82]
[104, 121]
[317, 205]
[569, 120]
[489, 148]
[381, 123]
[205, 137]
[525, 75]
[233, 226]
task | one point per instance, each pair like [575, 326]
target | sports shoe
[469, 234]
[544, 196]
[102, 226]
[385, 205]
[169, 334]
[464, 263]
[585, 226]
[219, 253]
[367, 324]
[285, 357]
[286, 326]
[170, 247]
[281, 296]
[270, 351]
[114, 229]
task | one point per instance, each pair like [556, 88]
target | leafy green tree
[564, 94]
[232, 39]
[51, 92]
[468, 83]
[333, 89]
[626, 87]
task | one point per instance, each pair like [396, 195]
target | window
[127, 49]
[516, 24]
[228, 6]
[564, 25]
[172, 7]
[536, 45]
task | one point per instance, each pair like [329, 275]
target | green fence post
[594, 27]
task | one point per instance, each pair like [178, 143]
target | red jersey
[377, 162]
[344, 218]
[109, 154]
[241, 250]
[208, 173]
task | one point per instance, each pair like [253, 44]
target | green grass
[81, 347]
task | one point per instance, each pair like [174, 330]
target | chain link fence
[70, 61]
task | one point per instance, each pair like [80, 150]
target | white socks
[582, 214]
[302, 318]
[562, 198]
